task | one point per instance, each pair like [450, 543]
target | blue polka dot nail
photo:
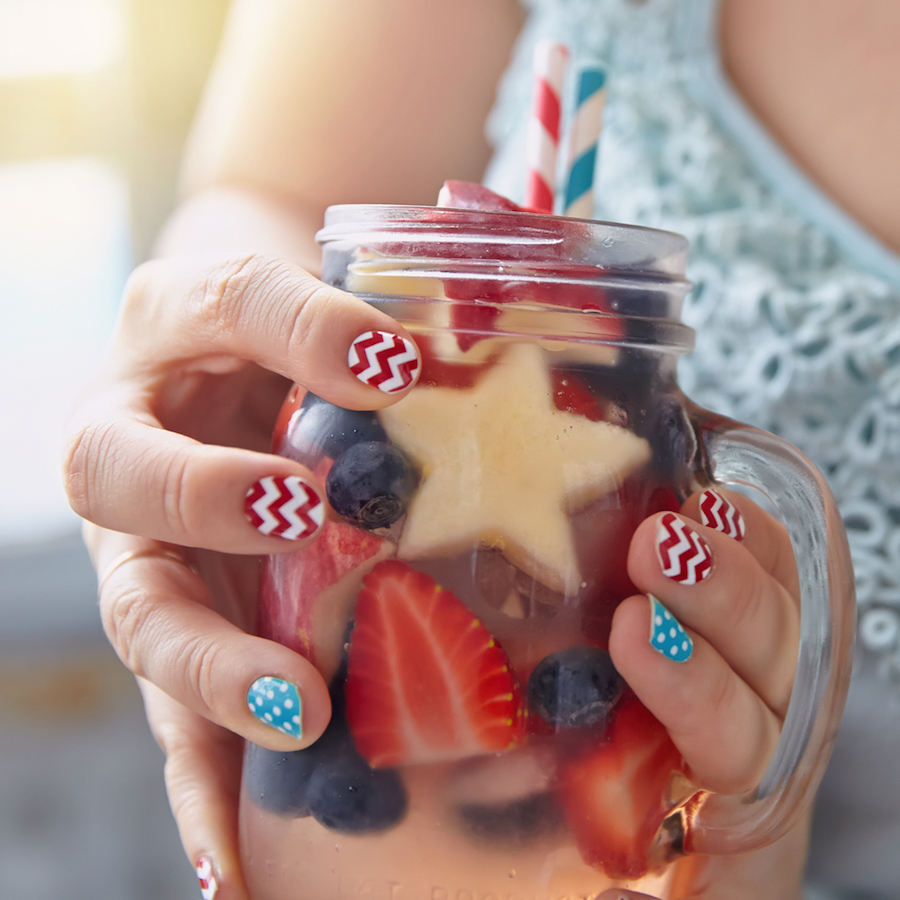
[277, 703]
[667, 637]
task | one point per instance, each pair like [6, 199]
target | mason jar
[460, 595]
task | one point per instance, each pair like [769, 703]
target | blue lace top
[796, 310]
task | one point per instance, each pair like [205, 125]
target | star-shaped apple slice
[503, 467]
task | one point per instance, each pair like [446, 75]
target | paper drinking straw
[584, 135]
[550, 60]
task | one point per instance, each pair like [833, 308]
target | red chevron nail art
[683, 554]
[209, 884]
[284, 507]
[716, 512]
[386, 361]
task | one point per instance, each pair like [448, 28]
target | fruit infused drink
[459, 598]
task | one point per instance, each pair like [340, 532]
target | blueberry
[348, 796]
[328, 780]
[323, 428]
[575, 687]
[278, 781]
[515, 823]
[371, 484]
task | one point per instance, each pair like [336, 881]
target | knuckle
[758, 747]
[185, 795]
[127, 618]
[748, 601]
[218, 301]
[199, 660]
[137, 292]
[172, 739]
[175, 493]
[180, 770]
[694, 710]
[723, 697]
[316, 306]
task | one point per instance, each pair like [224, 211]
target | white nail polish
[209, 883]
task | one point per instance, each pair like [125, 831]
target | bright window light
[64, 257]
[53, 37]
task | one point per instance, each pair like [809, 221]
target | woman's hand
[717, 705]
[172, 441]
[721, 687]
[177, 427]
[167, 459]
[710, 648]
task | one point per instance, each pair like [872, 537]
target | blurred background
[96, 97]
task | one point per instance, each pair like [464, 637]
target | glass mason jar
[460, 597]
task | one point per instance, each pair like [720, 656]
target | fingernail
[209, 884]
[683, 554]
[667, 637]
[386, 361]
[285, 507]
[277, 703]
[716, 512]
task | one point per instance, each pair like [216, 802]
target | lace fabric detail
[793, 335]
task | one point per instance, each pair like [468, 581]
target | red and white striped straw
[550, 61]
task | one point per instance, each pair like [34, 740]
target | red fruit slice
[339, 549]
[454, 370]
[306, 598]
[288, 408]
[571, 395]
[426, 682]
[604, 532]
[467, 195]
[613, 796]
[472, 321]
[468, 319]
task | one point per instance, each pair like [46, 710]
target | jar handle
[735, 453]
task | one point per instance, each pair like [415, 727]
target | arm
[177, 425]
[311, 104]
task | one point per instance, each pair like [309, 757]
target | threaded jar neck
[544, 275]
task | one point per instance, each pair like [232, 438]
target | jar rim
[507, 235]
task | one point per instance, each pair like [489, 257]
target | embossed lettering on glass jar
[459, 598]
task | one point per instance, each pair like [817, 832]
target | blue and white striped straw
[584, 135]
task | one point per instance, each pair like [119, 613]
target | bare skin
[822, 75]
[272, 147]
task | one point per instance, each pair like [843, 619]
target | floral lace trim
[792, 335]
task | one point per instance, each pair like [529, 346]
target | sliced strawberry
[613, 795]
[468, 195]
[471, 320]
[572, 395]
[439, 371]
[475, 316]
[426, 682]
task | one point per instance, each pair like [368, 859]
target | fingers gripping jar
[460, 596]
